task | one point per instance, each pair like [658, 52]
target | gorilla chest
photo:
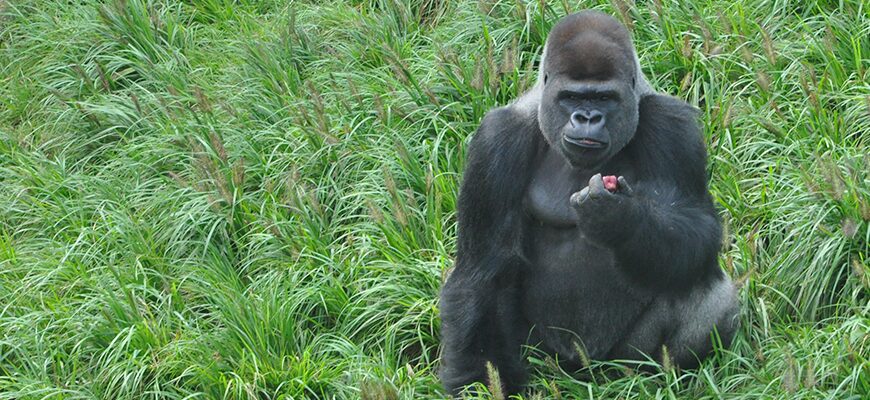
[547, 199]
[573, 287]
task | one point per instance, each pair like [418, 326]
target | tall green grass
[256, 198]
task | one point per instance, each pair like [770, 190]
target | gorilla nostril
[587, 117]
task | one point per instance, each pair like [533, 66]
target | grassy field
[256, 198]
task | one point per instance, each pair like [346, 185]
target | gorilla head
[589, 106]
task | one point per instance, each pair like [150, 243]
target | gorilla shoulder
[669, 138]
[506, 133]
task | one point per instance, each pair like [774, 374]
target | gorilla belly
[576, 294]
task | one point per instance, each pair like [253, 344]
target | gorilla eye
[603, 97]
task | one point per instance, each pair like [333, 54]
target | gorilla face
[589, 105]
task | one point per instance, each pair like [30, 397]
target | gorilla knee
[714, 320]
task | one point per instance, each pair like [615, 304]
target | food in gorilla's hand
[610, 183]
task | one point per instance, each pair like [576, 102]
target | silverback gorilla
[554, 251]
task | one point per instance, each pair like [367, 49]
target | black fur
[621, 274]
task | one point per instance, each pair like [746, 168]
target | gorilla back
[555, 251]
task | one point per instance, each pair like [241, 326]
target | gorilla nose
[587, 129]
[587, 117]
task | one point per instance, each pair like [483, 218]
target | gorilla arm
[664, 232]
[479, 311]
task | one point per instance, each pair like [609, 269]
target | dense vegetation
[256, 198]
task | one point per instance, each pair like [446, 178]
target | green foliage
[256, 199]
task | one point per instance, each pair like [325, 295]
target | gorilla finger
[596, 185]
[624, 186]
[595, 177]
[580, 196]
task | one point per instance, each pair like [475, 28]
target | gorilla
[585, 222]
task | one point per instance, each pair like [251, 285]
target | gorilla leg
[684, 325]
[706, 309]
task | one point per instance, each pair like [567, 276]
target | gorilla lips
[610, 183]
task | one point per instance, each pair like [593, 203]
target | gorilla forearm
[672, 246]
[664, 242]
[480, 323]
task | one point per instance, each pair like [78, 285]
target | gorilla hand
[601, 186]
[606, 214]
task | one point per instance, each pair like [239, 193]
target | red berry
[610, 183]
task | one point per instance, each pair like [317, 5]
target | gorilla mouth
[586, 142]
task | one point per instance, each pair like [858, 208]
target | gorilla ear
[633, 81]
[545, 78]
